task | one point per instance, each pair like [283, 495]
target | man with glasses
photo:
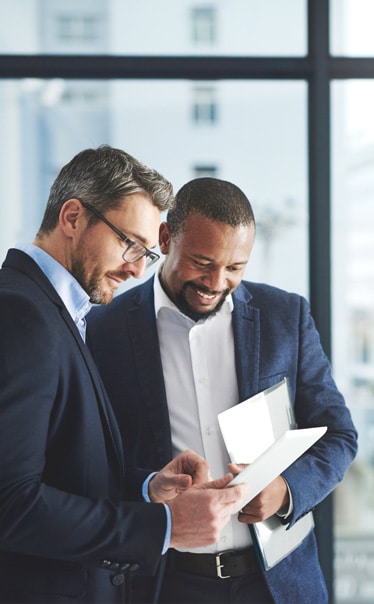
[75, 519]
[192, 342]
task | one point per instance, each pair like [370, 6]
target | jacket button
[117, 579]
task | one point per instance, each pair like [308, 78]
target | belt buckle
[219, 565]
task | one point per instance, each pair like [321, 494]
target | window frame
[318, 68]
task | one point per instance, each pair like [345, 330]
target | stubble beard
[90, 284]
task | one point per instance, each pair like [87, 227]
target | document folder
[262, 432]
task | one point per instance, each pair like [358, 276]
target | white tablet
[272, 462]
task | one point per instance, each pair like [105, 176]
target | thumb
[235, 468]
[181, 482]
[219, 483]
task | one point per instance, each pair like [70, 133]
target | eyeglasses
[134, 250]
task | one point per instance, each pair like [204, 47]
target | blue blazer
[63, 517]
[275, 337]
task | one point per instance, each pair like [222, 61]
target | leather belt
[223, 565]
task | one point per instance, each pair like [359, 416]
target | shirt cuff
[168, 529]
[145, 487]
[288, 512]
[167, 511]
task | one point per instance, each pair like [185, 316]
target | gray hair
[102, 177]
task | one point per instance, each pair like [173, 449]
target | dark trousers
[187, 588]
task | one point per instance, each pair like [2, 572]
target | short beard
[90, 285]
[186, 309]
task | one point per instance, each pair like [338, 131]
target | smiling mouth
[205, 295]
[198, 302]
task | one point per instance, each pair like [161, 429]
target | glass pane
[251, 133]
[147, 27]
[353, 328]
[351, 27]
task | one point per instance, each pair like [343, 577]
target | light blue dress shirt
[72, 294]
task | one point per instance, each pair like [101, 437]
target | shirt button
[201, 380]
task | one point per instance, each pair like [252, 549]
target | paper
[249, 428]
[272, 462]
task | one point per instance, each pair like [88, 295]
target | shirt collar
[73, 295]
[162, 300]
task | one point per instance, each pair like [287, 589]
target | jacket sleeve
[317, 402]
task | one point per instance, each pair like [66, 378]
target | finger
[234, 468]
[178, 482]
[201, 474]
[230, 495]
[219, 483]
[238, 493]
[182, 482]
[200, 470]
[193, 464]
[247, 518]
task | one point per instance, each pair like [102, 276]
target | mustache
[120, 275]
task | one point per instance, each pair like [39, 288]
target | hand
[271, 500]
[200, 513]
[187, 469]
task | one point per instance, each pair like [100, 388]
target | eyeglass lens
[135, 251]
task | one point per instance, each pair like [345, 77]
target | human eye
[125, 241]
[202, 263]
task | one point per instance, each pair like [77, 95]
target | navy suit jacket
[275, 337]
[62, 479]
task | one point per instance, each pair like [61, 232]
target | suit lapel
[144, 338]
[22, 262]
[246, 326]
[107, 416]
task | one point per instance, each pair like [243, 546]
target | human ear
[164, 238]
[70, 215]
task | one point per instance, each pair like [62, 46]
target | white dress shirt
[198, 362]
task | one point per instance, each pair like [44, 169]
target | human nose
[215, 280]
[136, 268]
